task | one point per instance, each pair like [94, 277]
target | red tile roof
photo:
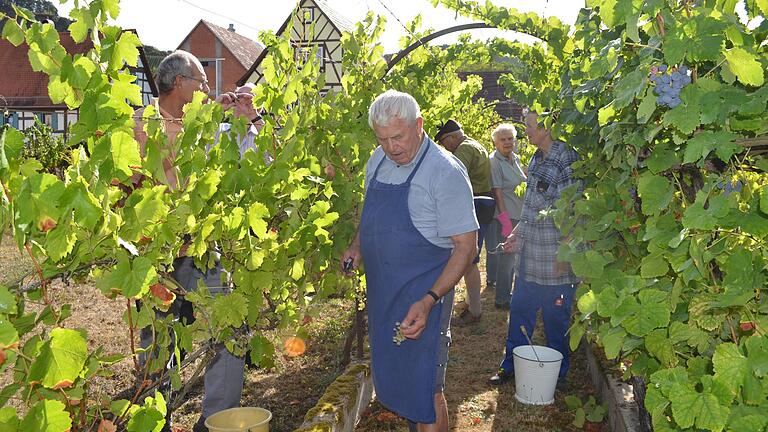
[20, 86]
[245, 50]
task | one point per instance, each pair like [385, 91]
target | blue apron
[400, 266]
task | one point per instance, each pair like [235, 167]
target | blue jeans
[556, 302]
[500, 267]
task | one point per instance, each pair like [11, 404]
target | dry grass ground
[288, 390]
[295, 384]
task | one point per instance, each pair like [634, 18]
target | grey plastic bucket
[535, 379]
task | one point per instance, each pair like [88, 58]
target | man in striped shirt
[542, 281]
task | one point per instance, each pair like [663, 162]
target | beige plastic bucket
[243, 419]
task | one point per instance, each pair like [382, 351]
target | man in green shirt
[475, 159]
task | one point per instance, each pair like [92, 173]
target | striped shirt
[548, 176]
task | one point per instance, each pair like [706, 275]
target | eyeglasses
[202, 81]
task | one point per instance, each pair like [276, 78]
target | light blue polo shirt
[440, 199]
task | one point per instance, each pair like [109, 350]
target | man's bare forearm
[464, 251]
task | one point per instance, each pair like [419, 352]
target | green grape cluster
[398, 338]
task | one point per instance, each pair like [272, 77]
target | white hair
[504, 127]
[393, 104]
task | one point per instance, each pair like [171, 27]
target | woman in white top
[506, 174]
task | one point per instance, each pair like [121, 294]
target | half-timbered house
[24, 93]
[314, 25]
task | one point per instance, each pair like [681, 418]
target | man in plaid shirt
[542, 282]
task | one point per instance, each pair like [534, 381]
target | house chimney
[231, 27]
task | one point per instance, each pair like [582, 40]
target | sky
[165, 23]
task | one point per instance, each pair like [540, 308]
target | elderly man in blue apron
[417, 235]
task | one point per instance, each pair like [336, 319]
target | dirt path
[475, 406]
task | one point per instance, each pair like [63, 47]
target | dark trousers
[555, 301]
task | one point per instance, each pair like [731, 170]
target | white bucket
[535, 380]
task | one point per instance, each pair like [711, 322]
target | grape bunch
[398, 338]
[669, 82]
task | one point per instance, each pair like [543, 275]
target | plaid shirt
[547, 177]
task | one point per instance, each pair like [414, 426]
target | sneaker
[466, 317]
[500, 377]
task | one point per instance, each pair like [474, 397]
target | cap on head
[449, 126]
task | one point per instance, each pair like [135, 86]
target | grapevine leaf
[656, 193]
[758, 355]
[130, 278]
[124, 88]
[661, 347]
[8, 334]
[124, 153]
[112, 7]
[745, 66]
[747, 419]
[587, 303]
[690, 335]
[764, 199]
[13, 32]
[666, 379]
[717, 387]
[146, 419]
[628, 88]
[730, 365]
[262, 351]
[700, 309]
[257, 212]
[8, 416]
[576, 333]
[125, 51]
[690, 407]
[230, 311]
[60, 241]
[607, 8]
[8, 304]
[47, 416]
[702, 144]
[613, 341]
[297, 270]
[646, 108]
[208, 184]
[78, 29]
[652, 312]
[697, 217]
[589, 264]
[77, 197]
[61, 359]
[655, 402]
[653, 266]
[763, 5]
